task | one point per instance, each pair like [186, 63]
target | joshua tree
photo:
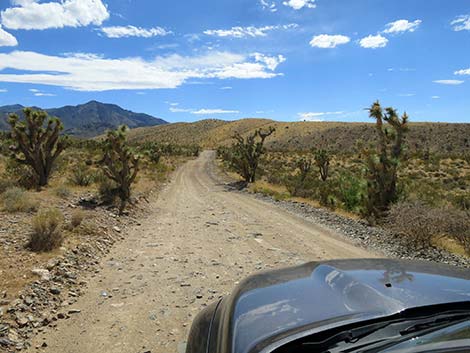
[322, 160]
[304, 165]
[245, 153]
[120, 164]
[383, 163]
[36, 144]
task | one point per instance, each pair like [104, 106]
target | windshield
[447, 330]
[459, 334]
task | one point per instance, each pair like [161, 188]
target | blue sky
[281, 59]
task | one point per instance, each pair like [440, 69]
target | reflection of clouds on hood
[263, 317]
[357, 296]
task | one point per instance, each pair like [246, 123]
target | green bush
[351, 191]
[46, 232]
[17, 200]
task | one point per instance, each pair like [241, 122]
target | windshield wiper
[375, 334]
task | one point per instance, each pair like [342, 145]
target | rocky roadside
[373, 238]
[51, 297]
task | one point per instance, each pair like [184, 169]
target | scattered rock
[44, 274]
[55, 290]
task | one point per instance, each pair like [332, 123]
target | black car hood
[271, 306]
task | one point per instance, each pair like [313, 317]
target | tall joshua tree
[244, 155]
[120, 164]
[36, 143]
[383, 163]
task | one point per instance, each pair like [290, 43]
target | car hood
[275, 305]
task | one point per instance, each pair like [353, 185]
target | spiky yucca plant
[119, 164]
[383, 162]
[37, 144]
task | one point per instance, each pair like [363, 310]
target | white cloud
[132, 31]
[2, 90]
[179, 110]
[268, 5]
[373, 42]
[90, 72]
[6, 39]
[299, 4]
[316, 116]
[407, 94]
[30, 14]
[214, 111]
[38, 93]
[42, 94]
[226, 88]
[271, 62]
[329, 41]
[250, 31]
[435, 97]
[462, 72]
[461, 23]
[401, 26]
[449, 82]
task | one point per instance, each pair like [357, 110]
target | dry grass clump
[15, 199]
[63, 192]
[77, 218]
[421, 223]
[46, 234]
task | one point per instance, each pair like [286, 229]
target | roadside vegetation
[58, 192]
[422, 195]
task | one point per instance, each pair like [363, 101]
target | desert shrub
[351, 191]
[77, 218]
[62, 191]
[46, 232]
[23, 175]
[81, 175]
[5, 183]
[462, 201]
[17, 200]
[276, 195]
[107, 189]
[421, 223]
[326, 194]
[304, 166]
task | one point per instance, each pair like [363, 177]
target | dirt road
[198, 241]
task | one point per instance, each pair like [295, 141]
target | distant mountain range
[89, 119]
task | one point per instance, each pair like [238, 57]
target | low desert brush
[77, 218]
[15, 199]
[46, 232]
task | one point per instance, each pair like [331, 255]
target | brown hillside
[437, 137]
